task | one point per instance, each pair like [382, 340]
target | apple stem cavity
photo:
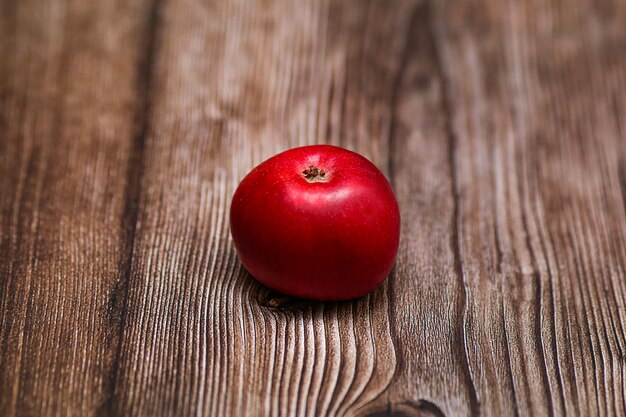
[314, 174]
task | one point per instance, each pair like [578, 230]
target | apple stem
[314, 173]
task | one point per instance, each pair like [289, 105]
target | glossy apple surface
[317, 222]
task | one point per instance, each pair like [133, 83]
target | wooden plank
[534, 94]
[69, 109]
[541, 219]
[237, 82]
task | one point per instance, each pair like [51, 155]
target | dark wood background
[125, 126]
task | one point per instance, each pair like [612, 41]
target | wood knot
[281, 302]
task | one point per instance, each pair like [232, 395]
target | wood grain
[70, 87]
[126, 126]
[241, 356]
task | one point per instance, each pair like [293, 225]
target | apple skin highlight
[317, 222]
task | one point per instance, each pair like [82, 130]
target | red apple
[317, 222]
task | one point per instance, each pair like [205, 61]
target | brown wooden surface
[125, 127]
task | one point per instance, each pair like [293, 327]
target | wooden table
[125, 127]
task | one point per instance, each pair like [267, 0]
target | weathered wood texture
[125, 127]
